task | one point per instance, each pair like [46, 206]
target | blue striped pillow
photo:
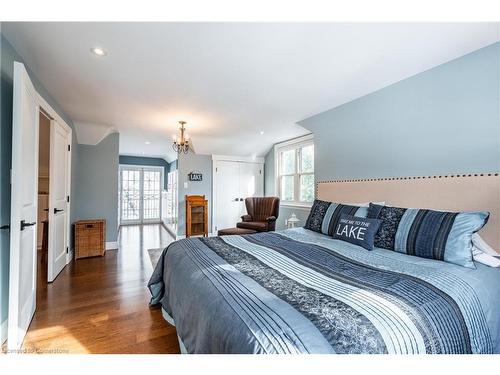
[324, 216]
[426, 233]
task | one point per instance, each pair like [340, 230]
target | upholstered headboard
[471, 192]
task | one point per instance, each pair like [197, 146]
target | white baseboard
[111, 245]
[3, 331]
[70, 256]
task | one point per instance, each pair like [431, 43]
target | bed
[298, 291]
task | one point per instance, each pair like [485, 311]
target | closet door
[251, 183]
[60, 158]
[227, 194]
[235, 181]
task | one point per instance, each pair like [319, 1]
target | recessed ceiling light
[98, 51]
[261, 132]
[147, 142]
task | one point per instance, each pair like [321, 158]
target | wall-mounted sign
[195, 176]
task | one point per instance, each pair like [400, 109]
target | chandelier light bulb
[181, 142]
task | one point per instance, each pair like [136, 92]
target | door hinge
[67, 250]
[216, 169]
[260, 171]
[67, 198]
[69, 147]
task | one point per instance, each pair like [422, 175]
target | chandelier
[181, 143]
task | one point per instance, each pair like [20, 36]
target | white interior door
[235, 181]
[24, 201]
[227, 194]
[251, 183]
[60, 138]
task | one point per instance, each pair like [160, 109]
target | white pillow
[481, 244]
[486, 259]
[484, 253]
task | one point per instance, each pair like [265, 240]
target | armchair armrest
[246, 218]
[271, 223]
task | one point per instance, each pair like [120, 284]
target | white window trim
[284, 146]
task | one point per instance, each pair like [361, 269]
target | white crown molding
[92, 134]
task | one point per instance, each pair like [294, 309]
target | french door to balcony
[140, 194]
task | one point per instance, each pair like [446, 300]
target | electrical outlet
[185, 185]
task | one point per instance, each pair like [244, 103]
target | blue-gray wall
[444, 120]
[152, 162]
[8, 56]
[194, 163]
[441, 121]
[173, 165]
[97, 183]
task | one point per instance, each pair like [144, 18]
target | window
[295, 166]
[140, 194]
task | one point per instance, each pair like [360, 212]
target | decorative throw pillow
[324, 216]
[427, 233]
[357, 230]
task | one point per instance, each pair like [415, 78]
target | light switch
[185, 185]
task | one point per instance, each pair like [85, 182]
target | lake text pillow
[357, 230]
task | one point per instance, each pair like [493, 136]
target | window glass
[287, 188]
[288, 162]
[307, 160]
[307, 188]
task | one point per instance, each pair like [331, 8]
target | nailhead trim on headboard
[406, 178]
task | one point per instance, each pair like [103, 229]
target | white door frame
[215, 159]
[140, 168]
[47, 108]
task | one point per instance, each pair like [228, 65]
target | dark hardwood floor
[100, 305]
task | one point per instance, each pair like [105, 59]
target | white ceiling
[229, 81]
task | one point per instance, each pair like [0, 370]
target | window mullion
[296, 184]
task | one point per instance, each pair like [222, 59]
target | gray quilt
[298, 291]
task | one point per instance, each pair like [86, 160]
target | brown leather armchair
[262, 213]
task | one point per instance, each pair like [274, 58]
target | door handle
[56, 210]
[6, 227]
[24, 224]
[241, 199]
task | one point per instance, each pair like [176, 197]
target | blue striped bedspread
[297, 291]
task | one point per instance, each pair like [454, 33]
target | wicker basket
[90, 238]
